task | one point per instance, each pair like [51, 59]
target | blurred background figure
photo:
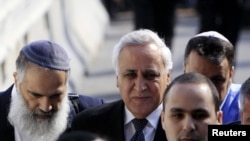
[245, 14]
[157, 15]
[223, 16]
[113, 7]
[84, 29]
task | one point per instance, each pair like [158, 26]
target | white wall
[77, 25]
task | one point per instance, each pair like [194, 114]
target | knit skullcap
[47, 54]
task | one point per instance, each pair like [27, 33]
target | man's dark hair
[244, 93]
[212, 48]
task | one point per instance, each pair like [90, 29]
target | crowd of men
[153, 105]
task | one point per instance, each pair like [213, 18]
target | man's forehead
[194, 55]
[198, 106]
[189, 92]
[202, 65]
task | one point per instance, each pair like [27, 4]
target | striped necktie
[139, 125]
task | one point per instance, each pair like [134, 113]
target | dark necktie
[139, 125]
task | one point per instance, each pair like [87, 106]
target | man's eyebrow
[33, 92]
[217, 76]
[151, 70]
[130, 70]
[199, 110]
[175, 109]
[248, 118]
[39, 94]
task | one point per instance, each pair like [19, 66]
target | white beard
[37, 129]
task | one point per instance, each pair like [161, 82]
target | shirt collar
[152, 118]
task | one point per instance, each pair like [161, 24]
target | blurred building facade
[78, 25]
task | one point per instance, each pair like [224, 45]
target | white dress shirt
[150, 128]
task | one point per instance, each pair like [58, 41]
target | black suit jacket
[7, 130]
[108, 120]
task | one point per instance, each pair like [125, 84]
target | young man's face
[189, 109]
[219, 74]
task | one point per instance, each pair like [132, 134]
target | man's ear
[162, 120]
[184, 67]
[219, 117]
[168, 78]
[241, 115]
[117, 84]
[231, 74]
[15, 78]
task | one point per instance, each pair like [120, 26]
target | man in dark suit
[37, 107]
[142, 64]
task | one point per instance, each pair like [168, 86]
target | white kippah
[212, 34]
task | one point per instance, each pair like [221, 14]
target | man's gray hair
[142, 37]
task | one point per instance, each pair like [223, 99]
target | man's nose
[140, 84]
[189, 124]
[45, 104]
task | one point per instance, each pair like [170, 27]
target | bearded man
[37, 106]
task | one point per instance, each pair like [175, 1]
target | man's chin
[36, 125]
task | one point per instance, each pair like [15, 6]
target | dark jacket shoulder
[106, 120]
[101, 111]
[80, 103]
[88, 101]
[6, 129]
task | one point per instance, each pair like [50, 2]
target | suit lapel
[160, 134]
[6, 130]
[118, 121]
